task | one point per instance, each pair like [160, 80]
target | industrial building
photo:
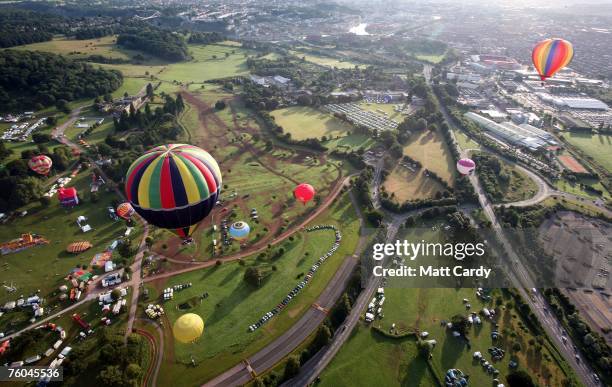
[524, 135]
[573, 102]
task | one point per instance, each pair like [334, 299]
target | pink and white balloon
[466, 166]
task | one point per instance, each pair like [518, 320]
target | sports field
[325, 60]
[304, 122]
[597, 146]
[406, 185]
[232, 305]
[429, 149]
[571, 163]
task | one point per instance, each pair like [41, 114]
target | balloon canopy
[188, 328]
[551, 55]
[40, 164]
[174, 186]
[68, 197]
[304, 192]
[125, 210]
[239, 230]
[466, 166]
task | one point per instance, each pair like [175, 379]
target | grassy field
[430, 58]
[305, 122]
[407, 185]
[429, 149]
[576, 189]
[44, 267]
[350, 142]
[464, 141]
[597, 146]
[519, 187]
[232, 305]
[325, 61]
[73, 48]
[370, 359]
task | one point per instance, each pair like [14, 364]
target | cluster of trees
[138, 119]
[116, 362]
[492, 175]
[19, 27]
[37, 79]
[18, 184]
[157, 42]
[205, 37]
[393, 206]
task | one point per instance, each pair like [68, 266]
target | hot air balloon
[188, 328]
[551, 55]
[304, 193]
[239, 230]
[125, 210]
[466, 166]
[174, 186]
[40, 164]
[68, 197]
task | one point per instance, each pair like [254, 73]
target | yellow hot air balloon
[188, 328]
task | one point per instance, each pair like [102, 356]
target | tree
[252, 276]
[460, 323]
[341, 310]
[150, 90]
[133, 372]
[125, 249]
[292, 368]
[116, 294]
[519, 379]
[51, 120]
[220, 105]
[111, 376]
[62, 105]
[322, 338]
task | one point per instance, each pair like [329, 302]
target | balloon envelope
[239, 230]
[551, 55]
[304, 193]
[174, 186]
[188, 328]
[40, 164]
[465, 166]
[125, 210]
[68, 197]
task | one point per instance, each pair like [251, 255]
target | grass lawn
[233, 305]
[370, 359]
[597, 146]
[407, 185]
[325, 60]
[304, 122]
[464, 141]
[350, 142]
[430, 58]
[44, 267]
[204, 67]
[520, 187]
[576, 189]
[431, 151]
[73, 48]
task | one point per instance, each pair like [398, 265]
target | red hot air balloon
[40, 164]
[125, 210]
[304, 193]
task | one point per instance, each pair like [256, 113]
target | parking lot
[358, 116]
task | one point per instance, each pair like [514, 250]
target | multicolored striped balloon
[551, 55]
[174, 186]
[40, 164]
[125, 210]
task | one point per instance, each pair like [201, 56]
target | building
[525, 135]
[573, 102]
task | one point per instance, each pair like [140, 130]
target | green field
[430, 58]
[351, 142]
[405, 185]
[597, 146]
[370, 359]
[384, 107]
[430, 149]
[325, 60]
[233, 305]
[464, 141]
[305, 122]
[73, 48]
